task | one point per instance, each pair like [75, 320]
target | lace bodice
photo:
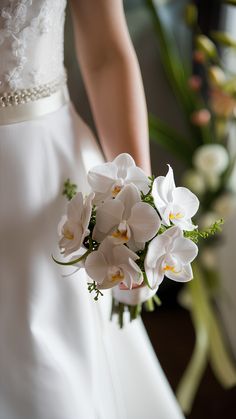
[31, 42]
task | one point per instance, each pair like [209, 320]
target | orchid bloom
[108, 179]
[170, 254]
[127, 219]
[112, 264]
[176, 205]
[73, 227]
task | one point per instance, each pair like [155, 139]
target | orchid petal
[137, 176]
[129, 196]
[156, 249]
[144, 222]
[122, 254]
[154, 276]
[87, 209]
[96, 266]
[187, 200]
[184, 249]
[185, 275]
[75, 207]
[123, 162]
[163, 187]
[101, 177]
[108, 215]
[185, 225]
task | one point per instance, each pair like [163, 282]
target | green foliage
[169, 139]
[195, 235]
[70, 189]
[92, 287]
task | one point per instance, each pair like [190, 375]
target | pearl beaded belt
[27, 104]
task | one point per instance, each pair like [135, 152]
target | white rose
[225, 205]
[194, 181]
[211, 158]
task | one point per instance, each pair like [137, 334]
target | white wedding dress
[60, 356]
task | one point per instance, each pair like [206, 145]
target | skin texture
[112, 78]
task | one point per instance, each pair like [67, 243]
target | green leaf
[72, 262]
[177, 71]
[210, 344]
[170, 139]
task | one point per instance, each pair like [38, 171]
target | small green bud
[204, 44]
[224, 38]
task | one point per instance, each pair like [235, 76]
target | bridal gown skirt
[60, 356]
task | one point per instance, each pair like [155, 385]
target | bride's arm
[112, 77]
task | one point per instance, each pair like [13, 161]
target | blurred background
[203, 94]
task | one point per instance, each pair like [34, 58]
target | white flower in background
[207, 219]
[108, 179]
[175, 205]
[225, 205]
[211, 158]
[212, 181]
[208, 258]
[195, 181]
[170, 254]
[112, 264]
[127, 219]
[73, 227]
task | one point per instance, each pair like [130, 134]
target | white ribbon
[34, 109]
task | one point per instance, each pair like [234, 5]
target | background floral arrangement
[206, 92]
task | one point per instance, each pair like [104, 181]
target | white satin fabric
[60, 356]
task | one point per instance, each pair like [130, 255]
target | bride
[60, 356]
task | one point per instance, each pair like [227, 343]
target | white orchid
[176, 205]
[170, 254]
[112, 264]
[73, 227]
[127, 219]
[108, 179]
[211, 158]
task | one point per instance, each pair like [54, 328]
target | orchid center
[122, 232]
[175, 215]
[117, 188]
[115, 274]
[68, 234]
[169, 268]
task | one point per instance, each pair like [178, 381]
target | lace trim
[18, 29]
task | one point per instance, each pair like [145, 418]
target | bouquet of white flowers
[129, 232]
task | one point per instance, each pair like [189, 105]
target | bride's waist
[27, 104]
